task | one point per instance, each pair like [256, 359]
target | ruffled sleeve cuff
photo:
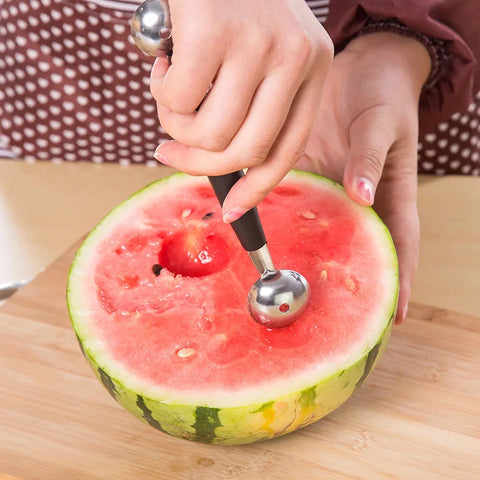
[448, 31]
[437, 48]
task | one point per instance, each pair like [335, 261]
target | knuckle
[326, 54]
[217, 142]
[258, 154]
[180, 106]
[323, 51]
[258, 44]
[258, 187]
[372, 160]
[310, 48]
[178, 103]
[165, 120]
[266, 46]
[262, 191]
[293, 153]
[300, 49]
[325, 45]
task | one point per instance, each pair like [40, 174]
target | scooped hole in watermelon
[194, 252]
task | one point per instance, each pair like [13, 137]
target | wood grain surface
[417, 417]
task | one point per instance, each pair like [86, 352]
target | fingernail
[153, 68]
[161, 159]
[365, 190]
[401, 316]
[233, 214]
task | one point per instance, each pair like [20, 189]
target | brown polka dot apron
[73, 86]
[454, 146]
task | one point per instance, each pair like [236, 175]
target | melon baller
[279, 297]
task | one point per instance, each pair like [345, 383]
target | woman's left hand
[366, 136]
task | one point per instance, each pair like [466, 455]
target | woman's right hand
[267, 62]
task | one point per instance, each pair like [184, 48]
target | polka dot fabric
[73, 86]
[454, 146]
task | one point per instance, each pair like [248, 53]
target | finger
[288, 149]
[371, 135]
[159, 69]
[183, 85]
[252, 142]
[223, 110]
[406, 234]
[406, 237]
[396, 203]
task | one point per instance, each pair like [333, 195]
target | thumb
[371, 137]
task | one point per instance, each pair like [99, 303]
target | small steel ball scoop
[279, 297]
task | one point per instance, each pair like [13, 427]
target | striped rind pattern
[249, 423]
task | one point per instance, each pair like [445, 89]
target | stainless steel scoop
[279, 297]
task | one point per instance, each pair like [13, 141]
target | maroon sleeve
[455, 21]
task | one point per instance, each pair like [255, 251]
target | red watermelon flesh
[188, 331]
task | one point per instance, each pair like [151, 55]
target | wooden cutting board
[417, 417]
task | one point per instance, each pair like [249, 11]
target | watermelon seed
[186, 352]
[352, 284]
[207, 216]
[308, 215]
[186, 212]
[157, 268]
[284, 307]
[323, 274]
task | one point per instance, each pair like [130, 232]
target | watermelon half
[157, 297]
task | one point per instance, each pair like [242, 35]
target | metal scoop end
[278, 298]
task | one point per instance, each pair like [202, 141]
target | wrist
[405, 54]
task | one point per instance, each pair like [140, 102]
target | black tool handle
[248, 228]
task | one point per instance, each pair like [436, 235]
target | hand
[366, 135]
[267, 62]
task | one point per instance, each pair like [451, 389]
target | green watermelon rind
[217, 423]
[251, 423]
